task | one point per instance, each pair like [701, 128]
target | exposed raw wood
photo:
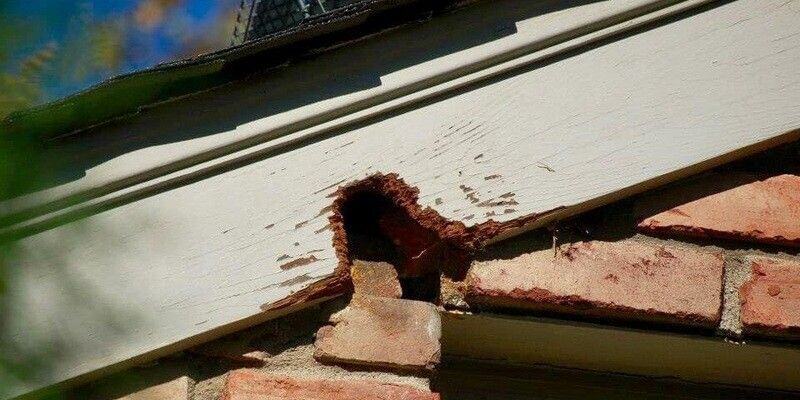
[539, 341]
[199, 252]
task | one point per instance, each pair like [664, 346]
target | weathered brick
[253, 385]
[382, 332]
[622, 280]
[765, 211]
[771, 298]
[376, 279]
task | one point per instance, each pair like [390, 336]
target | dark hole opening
[379, 230]
[360, 214]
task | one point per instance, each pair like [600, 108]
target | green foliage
[90, 47]
[17, 93]
[89, 51]
[23, 78]
[24, 88]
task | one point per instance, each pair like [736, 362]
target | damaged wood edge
[266, 136]
[393, 188]
[536, 341]
[566, 212]
[475, 237]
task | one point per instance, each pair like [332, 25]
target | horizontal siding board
[591, 347]
[309, 92]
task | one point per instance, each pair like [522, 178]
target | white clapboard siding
[336, 88]
[194, 261]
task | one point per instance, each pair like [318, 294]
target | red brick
[376, 279]
[771, 298]
[253, 385]
[622, 280]
[765, 211]
[384, 333]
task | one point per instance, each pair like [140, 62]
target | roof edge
[125, 95]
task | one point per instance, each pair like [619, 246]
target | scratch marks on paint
[505, 200]
[323, 229]
[329, 187]
[470, 194]
[498, 203]
[324, 211]
[337, 149]
[300, 224]
[545, 167]
[296, 280]
[302, 261]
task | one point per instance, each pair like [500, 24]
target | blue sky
[147, 32]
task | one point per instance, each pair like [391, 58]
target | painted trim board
[586, 346]
[471, 379]
[536, 38]
[195, 259]
[122, 193]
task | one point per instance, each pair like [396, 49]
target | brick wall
[718, 252]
